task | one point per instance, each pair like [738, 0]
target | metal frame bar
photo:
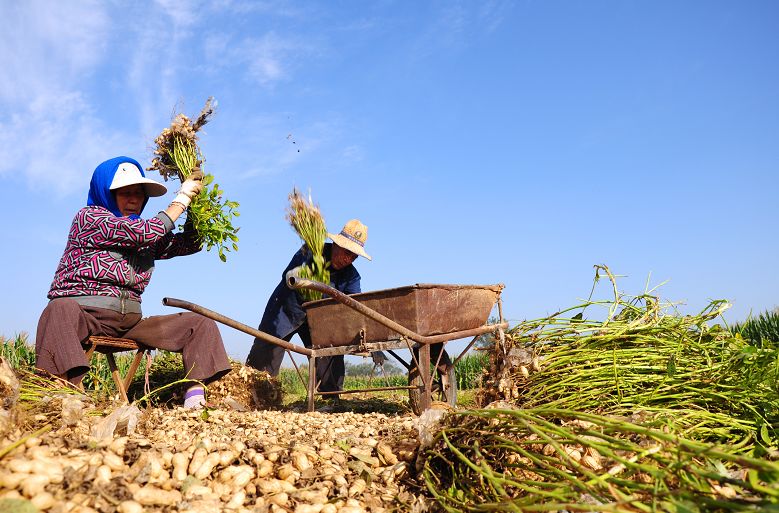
[399, 359]
[466, 349]
[297, 369]
[376, 389]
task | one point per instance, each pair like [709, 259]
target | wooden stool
[108, 346]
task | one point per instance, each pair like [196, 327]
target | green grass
[468, 371]
[20, 353]
[291, 383]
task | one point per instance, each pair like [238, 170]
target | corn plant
[290, 382]
[17, 352]
[761, 331]
[470, 368]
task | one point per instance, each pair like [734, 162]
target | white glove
[190, 188]
[192, 185]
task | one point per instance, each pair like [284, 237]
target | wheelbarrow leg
[311, 381]
[427, 378]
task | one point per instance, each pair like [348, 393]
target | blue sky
[481, 142]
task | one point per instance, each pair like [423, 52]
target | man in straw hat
[284, 316]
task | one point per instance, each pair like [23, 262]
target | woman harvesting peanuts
[107, 264]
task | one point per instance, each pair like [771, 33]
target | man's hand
[378, 358]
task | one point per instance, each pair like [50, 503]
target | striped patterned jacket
[106, 255]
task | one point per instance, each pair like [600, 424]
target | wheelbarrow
[421, 318]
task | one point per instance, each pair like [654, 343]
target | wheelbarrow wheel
[444, 388]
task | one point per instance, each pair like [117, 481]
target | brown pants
[65, 325]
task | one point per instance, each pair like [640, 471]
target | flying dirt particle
[290, 138]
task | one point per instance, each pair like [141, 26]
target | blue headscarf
[99, 188]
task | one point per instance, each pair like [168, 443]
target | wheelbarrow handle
[205, 312]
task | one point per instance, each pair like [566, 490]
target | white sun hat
[128, 174]
[352, 237]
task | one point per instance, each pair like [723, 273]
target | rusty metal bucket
[426, 309]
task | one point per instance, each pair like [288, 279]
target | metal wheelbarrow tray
[425, 309]
[421, 318]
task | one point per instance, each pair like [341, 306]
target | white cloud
[47, 50]
[158, 58]
[52, 156]
[267, 60]
[264, 59]
[273, 151]
[55, 87]
[460, 22]
[53, 53]
[353, 153]
[277, 147]
[183, 14]
[46, 44]
[491, 14]
[276, 8]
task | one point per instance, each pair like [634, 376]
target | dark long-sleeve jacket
[284, 312]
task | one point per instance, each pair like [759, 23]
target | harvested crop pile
[643, 410]
[9, 385]
[9, 393]
[68, 452]
[245, 388]
[544, 459]
[241, 389]
[699, 378]
[177, 460]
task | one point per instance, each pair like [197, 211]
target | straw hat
[129, 174]
[352, 237]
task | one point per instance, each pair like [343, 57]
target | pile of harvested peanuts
[183, 460]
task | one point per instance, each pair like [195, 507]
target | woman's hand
[190, 188]
[192, 185]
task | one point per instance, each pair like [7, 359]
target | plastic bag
[9, 384]
[72, 409]
[122, 421]
[428, 424]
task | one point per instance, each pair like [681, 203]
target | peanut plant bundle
[177, 157]
[547, 459]
[647, 361]
[307, 221]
